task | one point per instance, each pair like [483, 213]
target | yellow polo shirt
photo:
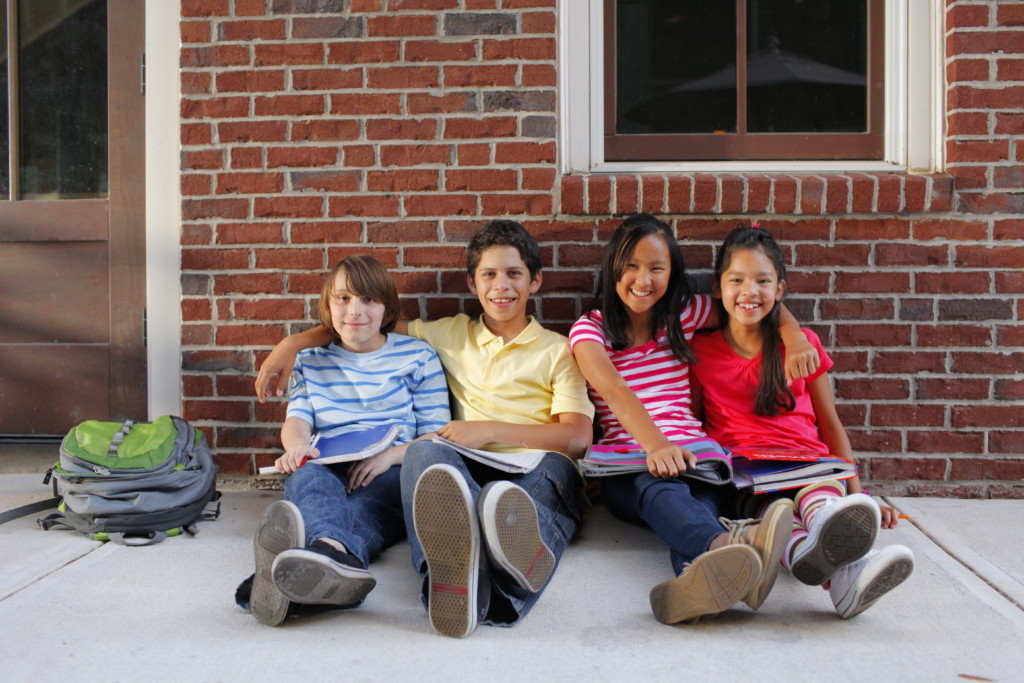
[526, 381]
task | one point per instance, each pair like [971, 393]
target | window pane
[807, 66]
[675, 66]
[63, 135]
[5, 150]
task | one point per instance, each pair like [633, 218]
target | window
[846, 85]
[53, 112]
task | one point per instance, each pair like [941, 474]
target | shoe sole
[313, 579]
[779, 524]
[512, 532]
[446, 527]
[280, 528]
[872, 586]
[843, 538]
[715, 581]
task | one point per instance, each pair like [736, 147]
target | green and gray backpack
[134, 482]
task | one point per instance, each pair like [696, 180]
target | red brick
[1008, 230]
[214, 259]
[678, 199]
[858, 309]
[480, 180]
[956, 388]
[325, 130]
[989, 257]
[1008, 389]
[250, 233]
[290, 105]
[627, 193]
[437, 51]
[221, 410]
[448, 103]
[249, 283]
[965, 69]
[947, 229]
[246, 157]
[196, 185]
[967, 123]
[215, 108]
[809, 255]
[758, 193]
[902, 469]
[983, 42]
[1010, 335]
[732, 195]
[402, 231]
[325, 232]
[325, 181]
[249, 183]
[962, 16]
[900, 362]
[196, 309]
[599, 193]
[875, 388]
[413, 155]
[863, 192]
[513, 204]
[395, 77]
[327, 79]
[205, 8]
[902, 415]
[812, 190]
[911, 255]
[489, 127]
[353, 52]
[571, 195]
[401, 129]
[301, 157]
[193, 32]
[192, 209]
[886, 441]
[653, 188]
[418, 180]
[196, 385]
[538, 75]
[250, 8]
[250, 30]
[952, 282]
[784, 194]
[987, 416]
[872, 335]
[803, 229]
[480, 76]
[976, 151]
[889, 197]
[434, 257]
[538, 178]
[837, 193]
[195, 235]
[877, 282]
[538, 22]
[287, 207]
[195, 83]
[290, 54]
[953, 335]
[1005, 442]
[289, 259]
[849, 361]
[196, 134]
[246, 437]
[705, 193]
[377, 206]
[520, 49]
[214, 56]
[944, 441]
[252, 131]
[980, 363]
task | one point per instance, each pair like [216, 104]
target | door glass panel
[807, 66]
[676, 67]
[5, 149]
[63, 98]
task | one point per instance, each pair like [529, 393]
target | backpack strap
[52, 520]
[152, 538]
[28, 509]
[118, 437]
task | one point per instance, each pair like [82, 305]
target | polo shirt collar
[484, 336]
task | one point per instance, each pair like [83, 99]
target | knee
[418, 456]
[303, 478]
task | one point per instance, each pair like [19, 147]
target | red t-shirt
[730, 384]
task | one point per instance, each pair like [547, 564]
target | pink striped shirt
[656, 376]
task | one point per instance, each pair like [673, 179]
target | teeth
[635, 292]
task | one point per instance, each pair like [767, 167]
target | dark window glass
[5, 131]
[63, 98]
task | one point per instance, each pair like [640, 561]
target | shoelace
[737, 527]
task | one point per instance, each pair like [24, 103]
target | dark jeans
[682, 513]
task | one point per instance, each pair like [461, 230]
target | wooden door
[72, 218]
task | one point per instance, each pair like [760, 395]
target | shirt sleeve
[299, 404]
[569, 389]
[695, 315]
[586, 329]
[826, 361]
[430, 396]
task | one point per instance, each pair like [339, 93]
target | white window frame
[914, 95]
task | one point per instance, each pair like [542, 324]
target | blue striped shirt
[339, 391]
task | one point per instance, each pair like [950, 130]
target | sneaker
[859, 584]
[714, 582]
[322, 575]
[279, 529]
[445, 523]
[768, 536]
[508, 518]
[842, 531]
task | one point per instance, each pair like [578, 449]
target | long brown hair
[366, 277]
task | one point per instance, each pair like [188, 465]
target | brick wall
[312, 129]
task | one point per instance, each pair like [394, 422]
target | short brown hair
[366, 277]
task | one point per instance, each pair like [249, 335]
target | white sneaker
[508, 518]
[842, 531]
[858, 585]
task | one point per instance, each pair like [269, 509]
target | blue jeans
[556, 489]
[366, 521]
[682, 513]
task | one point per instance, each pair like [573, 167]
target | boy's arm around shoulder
[568, 433]
[272, 379]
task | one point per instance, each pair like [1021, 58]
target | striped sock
[812, 498]
[796, 539]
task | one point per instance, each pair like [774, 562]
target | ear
[716, 289]
[535, 284]
[782, 290]
[471, 284]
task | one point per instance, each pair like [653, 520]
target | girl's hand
[361, 473]
[294, 457]
[890, 516]
[471, 433]
[670, 461]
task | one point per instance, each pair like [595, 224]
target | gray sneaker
[859, 584]
[445, 523]
[843, 531]
[508, 517]
[280, 528]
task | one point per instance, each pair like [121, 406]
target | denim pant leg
[682, 514]
[366, 521]
[555, 487]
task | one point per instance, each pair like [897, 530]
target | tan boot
[768, 536]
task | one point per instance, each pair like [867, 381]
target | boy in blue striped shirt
[314, 547]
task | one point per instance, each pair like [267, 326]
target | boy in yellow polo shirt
[515, 386]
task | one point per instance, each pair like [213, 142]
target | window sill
[755, 193]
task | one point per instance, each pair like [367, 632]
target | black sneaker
[322, 575]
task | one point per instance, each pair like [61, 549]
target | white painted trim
[163, 207]
[914, 98]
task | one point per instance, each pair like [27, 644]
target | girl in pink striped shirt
[634, 352]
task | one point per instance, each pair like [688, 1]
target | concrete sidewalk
[76, 609]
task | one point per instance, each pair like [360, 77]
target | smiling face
[503, 285]
[356, 318]
[749, 287]
[645, 276]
